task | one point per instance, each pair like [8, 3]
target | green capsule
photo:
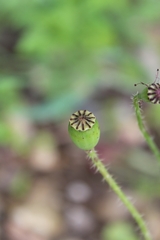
[84, 129]
[151, 93]
[144, 95]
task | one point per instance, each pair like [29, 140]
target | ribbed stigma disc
[82, 120]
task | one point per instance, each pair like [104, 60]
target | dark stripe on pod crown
[89, 113]
[88, 125]
[90, 121]
[153, 99]
[75, 121]
[84, 112]
[74, 115]
[150, 95]
[78, 125]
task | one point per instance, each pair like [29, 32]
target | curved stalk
[142, 128]
[92, 154]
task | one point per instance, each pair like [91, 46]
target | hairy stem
[142, 128]
[112, 183]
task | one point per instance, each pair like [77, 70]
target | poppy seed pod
[84, 129]
[151, 93]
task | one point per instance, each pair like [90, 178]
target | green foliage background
[55, 54]
[63, 50]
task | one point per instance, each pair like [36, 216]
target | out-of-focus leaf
[9, 87]
[20, 185]
[55, 109]
[118, 231]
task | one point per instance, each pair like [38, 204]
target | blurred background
[56, 57]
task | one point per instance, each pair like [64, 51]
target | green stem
[146, 135]
[112, 183]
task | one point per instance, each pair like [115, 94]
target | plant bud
[151, 93]
[84, 129]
